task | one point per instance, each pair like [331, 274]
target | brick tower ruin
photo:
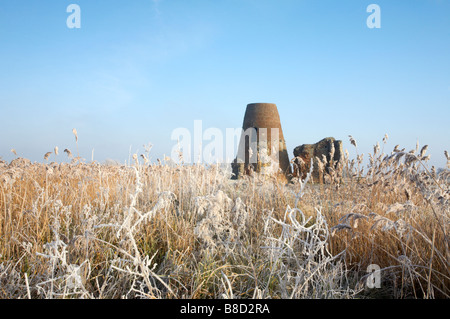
[261, 147]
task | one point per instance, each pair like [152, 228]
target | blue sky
[136, 70]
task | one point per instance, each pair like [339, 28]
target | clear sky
[136, 70]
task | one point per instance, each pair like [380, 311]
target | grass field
[86, 230]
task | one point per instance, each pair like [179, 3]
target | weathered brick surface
[327, 150]
[259, 116]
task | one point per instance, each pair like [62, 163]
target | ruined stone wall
[327, 156]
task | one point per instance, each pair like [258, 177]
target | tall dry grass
[85, 230]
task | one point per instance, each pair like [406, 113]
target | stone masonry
[262, 138]
[327, 156]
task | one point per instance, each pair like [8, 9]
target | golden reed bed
[85, 230]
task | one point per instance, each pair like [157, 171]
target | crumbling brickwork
[327, 156]
[262, 136]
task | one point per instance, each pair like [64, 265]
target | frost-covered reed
[85, 230]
